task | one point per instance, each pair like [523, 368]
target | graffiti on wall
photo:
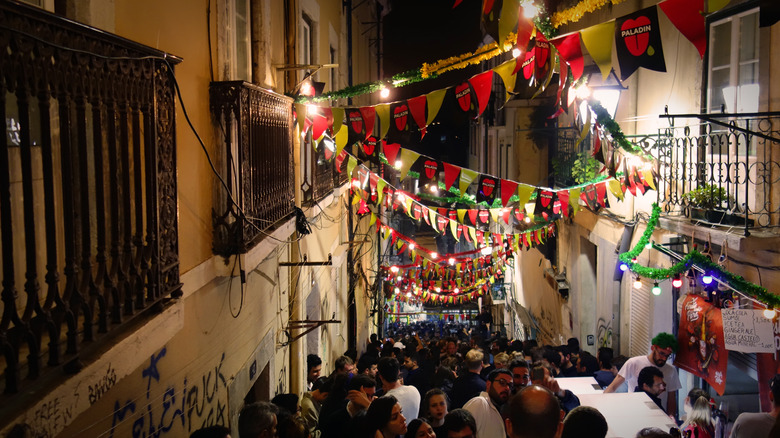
[187, 406]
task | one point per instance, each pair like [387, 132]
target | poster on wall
[768, 364]
[701, 348]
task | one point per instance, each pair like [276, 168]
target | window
[307, 40]
[243, 55]
[733, 64]
[332, 60]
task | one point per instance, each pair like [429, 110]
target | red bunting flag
[368, 113]
[391, 152]
[563, 196]
[687, 16]
[525, 30]
[570, 50]
[482, 85]
[417, 108]
[473, 216]
[508, 189]
[451, 173]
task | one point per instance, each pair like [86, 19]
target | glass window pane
[719, 80]
[242, 40]
[748, 73]
[721, 44]
[748, 45]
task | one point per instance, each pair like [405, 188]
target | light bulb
[637, 283]
[394, 269]
[677, 282]
[451, 261]
[408, 295]
[434, 255]
[516, 52]
[649, 245]
[398, 164]
[527, 219]
[397, 291]
[769, 313]
[706, 278]
[412, 246]
[437, 289]
[656, 289]
[384, 93]
[623, 267]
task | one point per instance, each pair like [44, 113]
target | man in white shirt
[388, 370]
[663, 346]
[486, 406]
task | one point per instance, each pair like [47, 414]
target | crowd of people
[432, 380]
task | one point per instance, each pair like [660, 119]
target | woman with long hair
[434, 408]
[699, 421]
[384, 418]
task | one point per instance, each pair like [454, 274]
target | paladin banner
[638, 42]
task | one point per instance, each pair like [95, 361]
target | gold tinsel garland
[573, 14]
[484, 53]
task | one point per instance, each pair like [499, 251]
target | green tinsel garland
[396, 81]
[608, 123]
[693, 258]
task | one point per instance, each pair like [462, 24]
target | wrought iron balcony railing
[727, 166]
[256, 159]
[88, 197]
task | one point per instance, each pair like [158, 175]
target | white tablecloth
[580, 385]
[628, 412]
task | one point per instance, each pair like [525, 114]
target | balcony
[733, 162]
[88, 193]
[256, 161]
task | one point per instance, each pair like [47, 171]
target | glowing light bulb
[408, 295]
[706, 278]
[623, 267]
[637, 283]
[397, 291]
[451, 261]
[769, 313]
[434, 255]
[384, 93]
[656, 289]
[456, 290]
[437, 289]
[486, 250]
[516, 52]
[412, 246]
[399, 278]
[528, 219]
[677, 282]
[649, 245]
[434, 188]
[394, 269]
[530, 10]
[398, 163]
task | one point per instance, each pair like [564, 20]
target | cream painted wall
[542, 301]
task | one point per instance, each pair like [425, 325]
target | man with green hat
[663, 346]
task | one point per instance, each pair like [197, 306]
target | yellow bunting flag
[338, 118]
[351, 163]
[473, 234]
[380, 190]
[383, 114]
[454, 230]
[408, 201]
[466, 177]
[300, 112]
[524, 193]
[598, 40]
[356, 198]
[716, 5]
[505, 71]
[507, 23]
[408, 158]
[648, 174]
[372, 221]
[386, 233]
[434, 98]
[494, 212]
[574, 199]
[462, 215]
[433, 215]
[342, 136]
[585, 130]
[616, 188]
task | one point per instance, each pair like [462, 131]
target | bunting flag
[482, 84]
[319, 126]
[542, 56]
[429, 172]
[524, 193]
[451, 173]
[400, 113]
[505, 72]
[525, 30]
[491, 10]
[507, 23]
[300, 115]
[467, 176]
[434, 99]
[544, 204]
[570, 50]
[391, 152]
[383, 114]
[687, 16]
[417, 108]
[487, 189]
[638, 42]
[598, 41]
[463, 96]
[369, 114]
[369, 149]
[527, 65]
[508, 189]
[408, 158]
[563, 197]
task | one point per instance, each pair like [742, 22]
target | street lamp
[605, 91]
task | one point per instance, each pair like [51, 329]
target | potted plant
[704, 200]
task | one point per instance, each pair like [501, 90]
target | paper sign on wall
[747, 330]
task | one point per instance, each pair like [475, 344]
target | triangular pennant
[466, 178]
[647, 175]
[486, 189]
[507, 215]
[342, 136]
[463, 96]
[508, 189]
[351, 163]
[450, 174]
[507, 22]
[616, 188]
[435, 99]
[391, 152]
[484, 216]
[339, 160]
[570, 50]
[461, 215]
[433, 217]
[454, 230]
[473, 216]
[598, 41]
[417, 108]
[482, 85]
[601, 193]
[338, 118]
[473, 234]
[524, 193]
[300, 114]
[383, 114]
[687, 16]
[563, 197]
[319, 125]
[369, 115]
[494, 213]
[574, 199]
[380, 190]
[505, 72]
[372, 221]
[525, 30]
[408, 158]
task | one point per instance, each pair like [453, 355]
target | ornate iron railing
[324, 174]
[730, 158]
[256, 159]
[88, 197]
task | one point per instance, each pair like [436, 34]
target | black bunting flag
[487, 189]
[638, 42]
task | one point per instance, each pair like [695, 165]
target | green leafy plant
[585, 168]
[707, 196]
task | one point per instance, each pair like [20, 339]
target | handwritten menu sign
[748, 331]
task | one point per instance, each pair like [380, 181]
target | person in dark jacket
[469, 384]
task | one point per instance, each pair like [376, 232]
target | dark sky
[418, 31]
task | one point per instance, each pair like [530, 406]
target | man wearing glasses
[486, 407]
[663, 346]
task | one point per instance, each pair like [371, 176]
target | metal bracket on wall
[308, 324]
[305, 262]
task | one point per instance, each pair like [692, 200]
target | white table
[628, 412]
[580, 385]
